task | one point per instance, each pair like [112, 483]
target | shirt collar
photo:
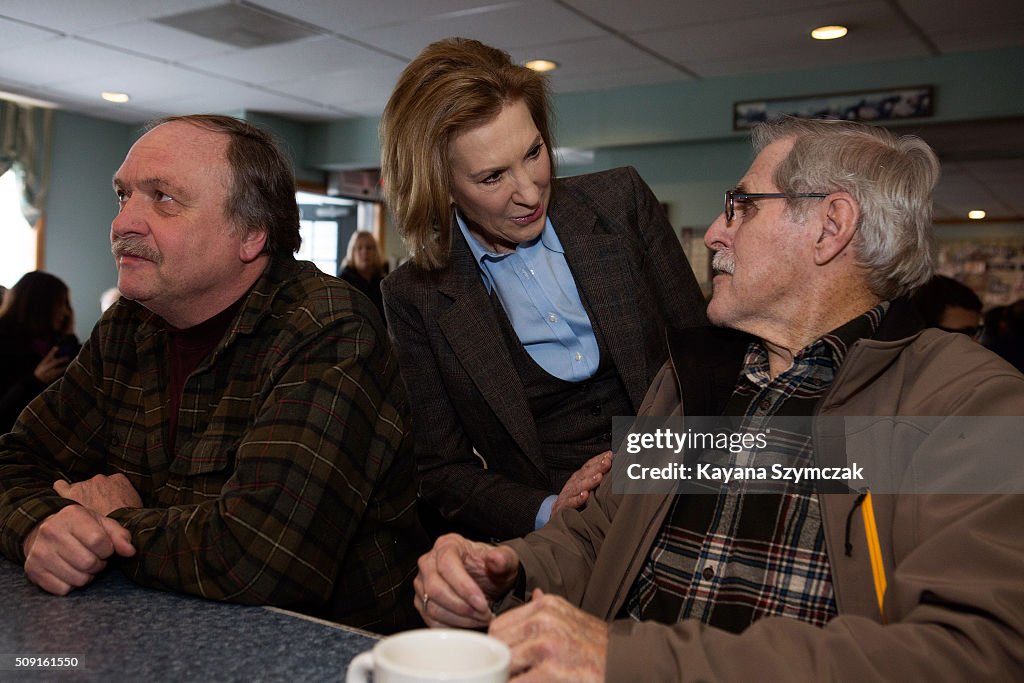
[863, 326]
[482, 255]
[831, 348]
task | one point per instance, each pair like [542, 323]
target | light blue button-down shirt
[539, 295]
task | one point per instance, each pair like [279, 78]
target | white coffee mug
[433, 654]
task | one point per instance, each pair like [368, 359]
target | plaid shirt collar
[826, 352]
[280, 269]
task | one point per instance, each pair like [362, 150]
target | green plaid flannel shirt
[293, 480]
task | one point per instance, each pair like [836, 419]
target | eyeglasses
[732, 196]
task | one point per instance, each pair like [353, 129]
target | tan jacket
[954, 564]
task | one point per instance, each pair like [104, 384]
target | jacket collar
[707, 361]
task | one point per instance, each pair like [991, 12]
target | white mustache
[135, 246]
[723, 262]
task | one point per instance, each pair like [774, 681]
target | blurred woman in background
[37, 341]
[363, 267]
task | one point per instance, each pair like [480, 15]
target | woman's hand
[577, 490]
[50, 367]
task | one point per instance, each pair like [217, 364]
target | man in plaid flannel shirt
[235, 427]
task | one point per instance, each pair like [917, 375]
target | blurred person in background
[363, 267]
[949, 305]
[1004, 332]
[37, 341]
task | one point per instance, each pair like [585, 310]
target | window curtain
[25, 134]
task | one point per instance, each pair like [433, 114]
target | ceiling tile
[70, 16]
[352, 17]
[147, 83]
[302, 59]
[155, 40]
[14, 34]
[781, 42]
[77, 60]
[508, 26]
[646, 15]
[343, 88]
[231, 97]
[599, 54]
[979, 37]
[599, 63]
[620, 78]
[946, 17]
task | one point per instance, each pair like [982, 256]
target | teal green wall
[971, 230]
[80, 206]
[967, 86]
[294, 138]
[344, 145]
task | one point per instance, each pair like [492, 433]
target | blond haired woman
[534, 308]
[363, 267]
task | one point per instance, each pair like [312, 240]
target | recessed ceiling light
[119, 97]
[541, 65]
[828, 32]
[976, 215]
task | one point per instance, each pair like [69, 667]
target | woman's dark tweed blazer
[463, 387]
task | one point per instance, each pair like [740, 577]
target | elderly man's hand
[70, 547]
[458, 577]
[553, 641]
[101, 494]
[583, 481]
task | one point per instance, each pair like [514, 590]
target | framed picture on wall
[872, 105]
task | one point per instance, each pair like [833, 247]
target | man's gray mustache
[130, 246]
[723, 262]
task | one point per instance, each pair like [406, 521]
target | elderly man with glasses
[816, 252]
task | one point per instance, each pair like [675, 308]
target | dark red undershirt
[187, 348]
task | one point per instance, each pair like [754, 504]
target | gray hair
[891, 177]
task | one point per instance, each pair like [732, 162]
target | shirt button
[595, 409]
[708, 573]
[552, 317]
[765, 404]
[578, 356]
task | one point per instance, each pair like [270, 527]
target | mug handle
[360, 667]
